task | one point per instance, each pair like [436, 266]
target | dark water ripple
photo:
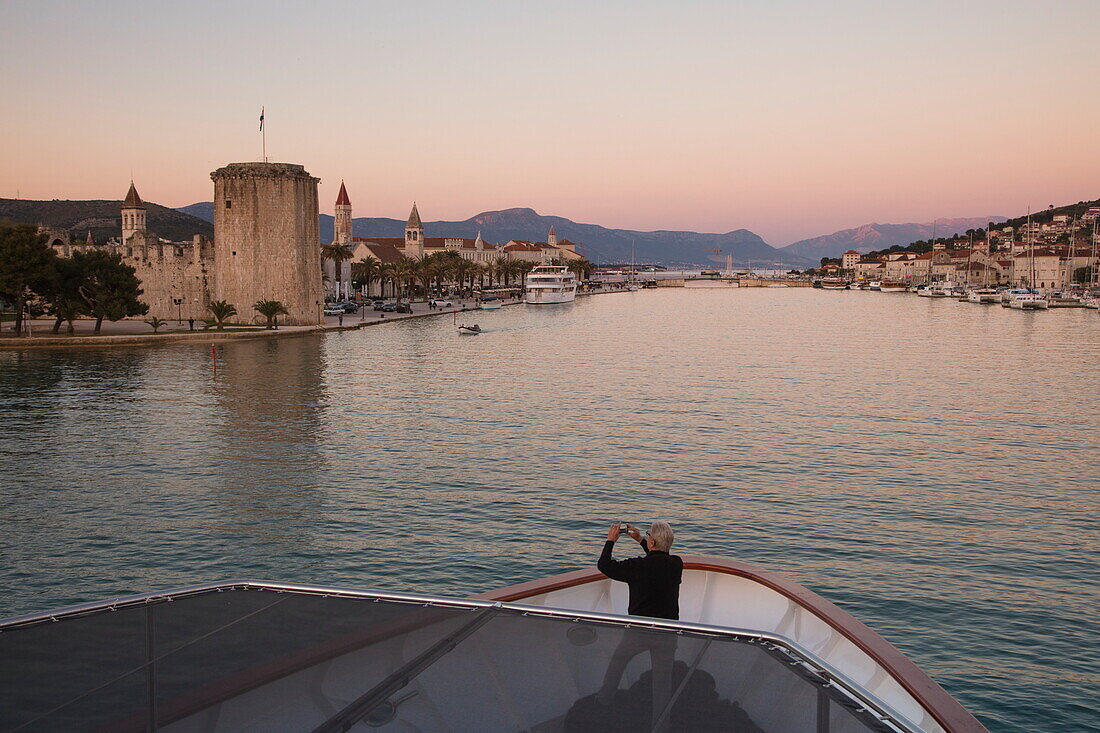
[930, 466]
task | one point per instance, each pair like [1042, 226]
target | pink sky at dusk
[789, 119]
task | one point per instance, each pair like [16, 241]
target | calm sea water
[928, 465]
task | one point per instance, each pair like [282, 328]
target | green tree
[26, 266]
[155, 323]
[62, 293]
[1084, 275]
[270, 309]
[222, 312]
[108, 286]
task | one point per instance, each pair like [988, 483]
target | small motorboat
[469, 330]
[492, 304]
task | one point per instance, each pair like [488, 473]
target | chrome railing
[817, 669]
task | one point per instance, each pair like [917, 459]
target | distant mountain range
[103, 218]
[881, 236]
[597, 243]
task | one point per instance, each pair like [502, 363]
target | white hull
[492, 305]
[539, 297]
[729, 600]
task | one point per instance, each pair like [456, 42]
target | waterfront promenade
[137, 332]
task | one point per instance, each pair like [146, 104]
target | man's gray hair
[662, 536]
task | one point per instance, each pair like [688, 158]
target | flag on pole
[261, 119]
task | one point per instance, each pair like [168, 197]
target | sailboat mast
[931, 253]
[1092, 256]
[1031, 253]
[969, 255]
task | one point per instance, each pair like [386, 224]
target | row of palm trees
[436, 271]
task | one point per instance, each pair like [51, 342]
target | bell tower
[342, 222]
[414, 235]
[552, 237]
[133, 214]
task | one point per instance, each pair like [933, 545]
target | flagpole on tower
[263, 135]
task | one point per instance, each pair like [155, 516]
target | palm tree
[386, 274]
[338, 254]
[270, 309]
[461, 271]
[582, 267]
[522, 268]
[366, 271]
[155, 323]
[479, 270]
[505, 268]
[221, 311]
[403, 271]
[426, 270]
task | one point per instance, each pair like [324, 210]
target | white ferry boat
[550, 284]
[752, 651]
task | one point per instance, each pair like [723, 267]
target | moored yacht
[892, 286]
[550, 284]
[986, 296]
[834, 283]
[752, 650]
[1008, 295]
[1028, 302]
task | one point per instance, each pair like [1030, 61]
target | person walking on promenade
[654, 583]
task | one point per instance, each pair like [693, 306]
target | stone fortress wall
[266, 247]
[268, 243]
[168, 271]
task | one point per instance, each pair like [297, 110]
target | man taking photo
[653, 578]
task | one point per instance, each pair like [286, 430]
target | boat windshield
[272, 657]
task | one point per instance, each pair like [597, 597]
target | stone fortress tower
[342, 222]
[133, 214]
[414, 235]
[267, 244]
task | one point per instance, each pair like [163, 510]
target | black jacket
[654, 580]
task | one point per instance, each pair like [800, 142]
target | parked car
[334, 309]
[378, 305]
[388, 307]
[442, 303]
[404, 308]
[349, 306]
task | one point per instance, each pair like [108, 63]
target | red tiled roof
[384, 253]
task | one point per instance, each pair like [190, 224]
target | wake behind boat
[752, 651]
